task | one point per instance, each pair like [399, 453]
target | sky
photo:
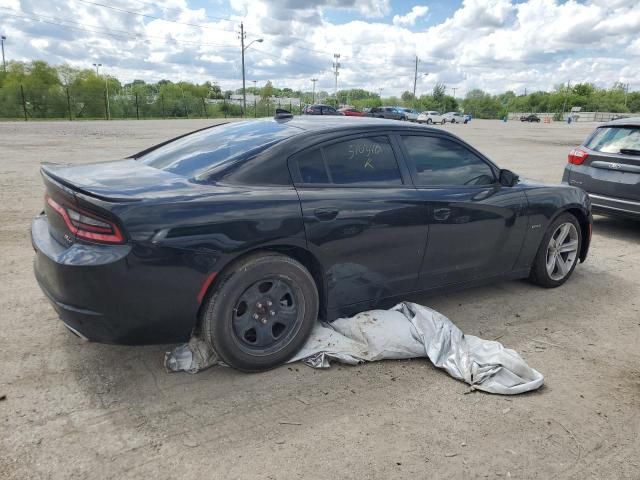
[494, 45]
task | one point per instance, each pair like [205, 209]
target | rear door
[476, 225]
[363, 219]
[612, 167]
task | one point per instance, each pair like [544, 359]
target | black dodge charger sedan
[248, 232]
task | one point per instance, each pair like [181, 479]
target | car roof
[329, 123]
[632, 121]
[309, 123]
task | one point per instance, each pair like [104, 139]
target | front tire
[261, 311]
[429, 121]
[558, 253]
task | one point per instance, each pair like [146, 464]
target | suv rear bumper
[614, 206]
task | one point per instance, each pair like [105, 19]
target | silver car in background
[412, 114]
[607, 167]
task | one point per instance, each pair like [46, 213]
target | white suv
[430, 117]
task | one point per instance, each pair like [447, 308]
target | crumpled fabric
[407, 330]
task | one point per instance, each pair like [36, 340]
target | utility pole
[106, 89]
[566, 95]
[97, 65]
[255, 101]
[454, 91]
[4, 63]
[415, 77]
[626, 91]
[244, 93]
[313, 94]
[243, 35]
[336, 67]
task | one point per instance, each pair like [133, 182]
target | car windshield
[614, 139]
[198, 152]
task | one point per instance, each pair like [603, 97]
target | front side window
[440, 162]
[360, 161]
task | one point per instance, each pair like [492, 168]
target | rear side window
[202, 151]
[440, 162]
[614, 139]
[312, 168]
[360, 161]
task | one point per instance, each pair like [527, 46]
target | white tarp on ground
[406, 331]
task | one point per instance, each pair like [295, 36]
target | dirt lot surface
[82, 410]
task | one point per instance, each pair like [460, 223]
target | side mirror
[508, 178]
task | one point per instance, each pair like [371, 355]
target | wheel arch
[302, 255]
[585, 227]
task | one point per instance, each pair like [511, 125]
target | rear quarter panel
[178, 244]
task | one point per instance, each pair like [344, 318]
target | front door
[476, 225]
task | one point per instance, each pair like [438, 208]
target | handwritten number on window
[364, 151]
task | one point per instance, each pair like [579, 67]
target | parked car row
[391, 113]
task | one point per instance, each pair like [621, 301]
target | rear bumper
[107, 294]
[614, 206]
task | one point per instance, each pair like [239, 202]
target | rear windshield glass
[614, 139]
[201, 151]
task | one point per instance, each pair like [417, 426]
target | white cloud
[489, 44]
[410, 18]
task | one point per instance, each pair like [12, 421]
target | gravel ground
[80, 410]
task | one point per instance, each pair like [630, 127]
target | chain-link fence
[30, 103]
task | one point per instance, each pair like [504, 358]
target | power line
[146, 15]
[123, 34]
[177, 9]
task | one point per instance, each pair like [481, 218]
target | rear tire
[261, 311]
[429, 121]
[558, 253]
[444, 121]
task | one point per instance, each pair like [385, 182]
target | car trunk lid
[117, 181]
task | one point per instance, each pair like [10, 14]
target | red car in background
[351, 112]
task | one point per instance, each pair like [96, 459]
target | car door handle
[326, 213]
[441, 214]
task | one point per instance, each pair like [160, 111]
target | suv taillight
[85, 225]
[577, 156]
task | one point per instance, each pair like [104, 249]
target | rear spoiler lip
[71, 188]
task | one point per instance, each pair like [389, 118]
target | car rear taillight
[577, 156]
[85, 225]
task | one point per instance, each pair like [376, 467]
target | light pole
[336, 67]
[106, 89]
[4, 63]
[244, 49]
[313, 94]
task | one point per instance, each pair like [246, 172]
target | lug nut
[259, 305]
[264, 320]
[272, 313]
[255, 316]
[269, 303]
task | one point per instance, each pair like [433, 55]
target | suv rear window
[614, 139]
[200, 151]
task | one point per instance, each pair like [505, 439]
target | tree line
[38, 90]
